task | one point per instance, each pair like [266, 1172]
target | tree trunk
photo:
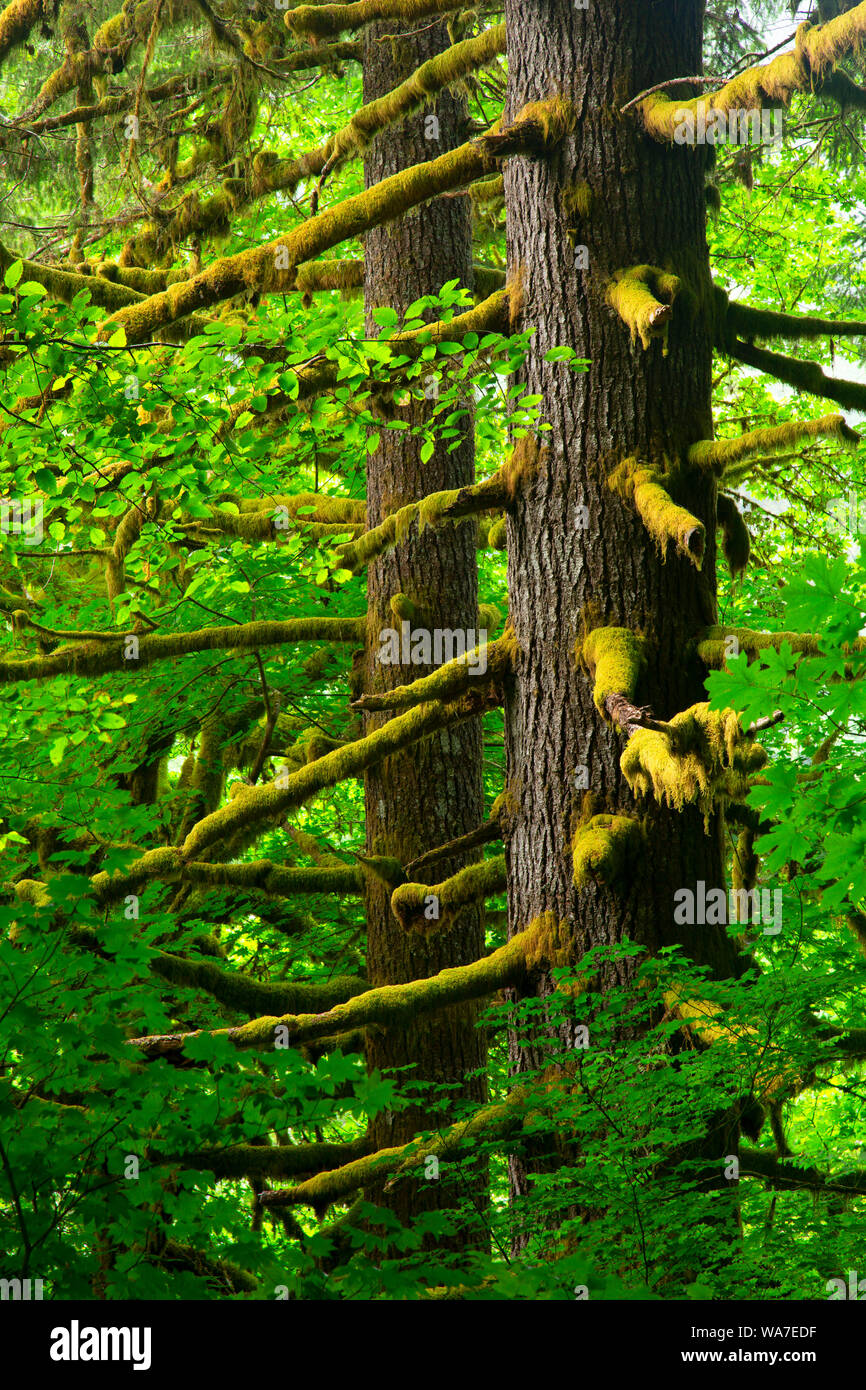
[630, 202]
[432, 793]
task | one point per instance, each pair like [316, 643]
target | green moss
[577, 203]
[259, 269]
[717, 643]
[662, 517]
[721, 455]
[643, 296]
[451, 679]
[326, 21]
[254, 805]
[603, 848]
[16, 21]
[427, 81]
[434, 510]
[703, 759]
[413, 903]
[744, 865]
[536, 129]
[615, 657]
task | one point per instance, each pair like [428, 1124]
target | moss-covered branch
[804, 376]
[473, 839]
[450, 680]
[493, 493]
[266, 173]
[253, 805]
[488, 1125]
[646, 489]
[64, 285]
[746, 321]
[94, 658]
[427, 81]
[643, 296]
[791, 1175]
[272, 267]
[388, 1006]
[436, 907]
[716, 644]
[167, 865]
[326, 21]
[112, 44]
[808, 67]
[16, 21]
[267, 1160]
[719, 455]
[615, 657]
[246, 995]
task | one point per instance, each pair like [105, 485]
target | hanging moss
[603, 849]
[744, 867]
[703, 759]
[746, 321]
[412, 903]
[615, 656]
[717, 456]
[643, 296]
[64, 285]
[497, 536]
[665, 521]
[736, 541]
[16, 21]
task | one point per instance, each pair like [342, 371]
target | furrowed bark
[579, 554]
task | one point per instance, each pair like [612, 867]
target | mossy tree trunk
[630, 202]
[430, 794]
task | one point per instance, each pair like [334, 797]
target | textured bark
[646, 206]
[432, 793]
